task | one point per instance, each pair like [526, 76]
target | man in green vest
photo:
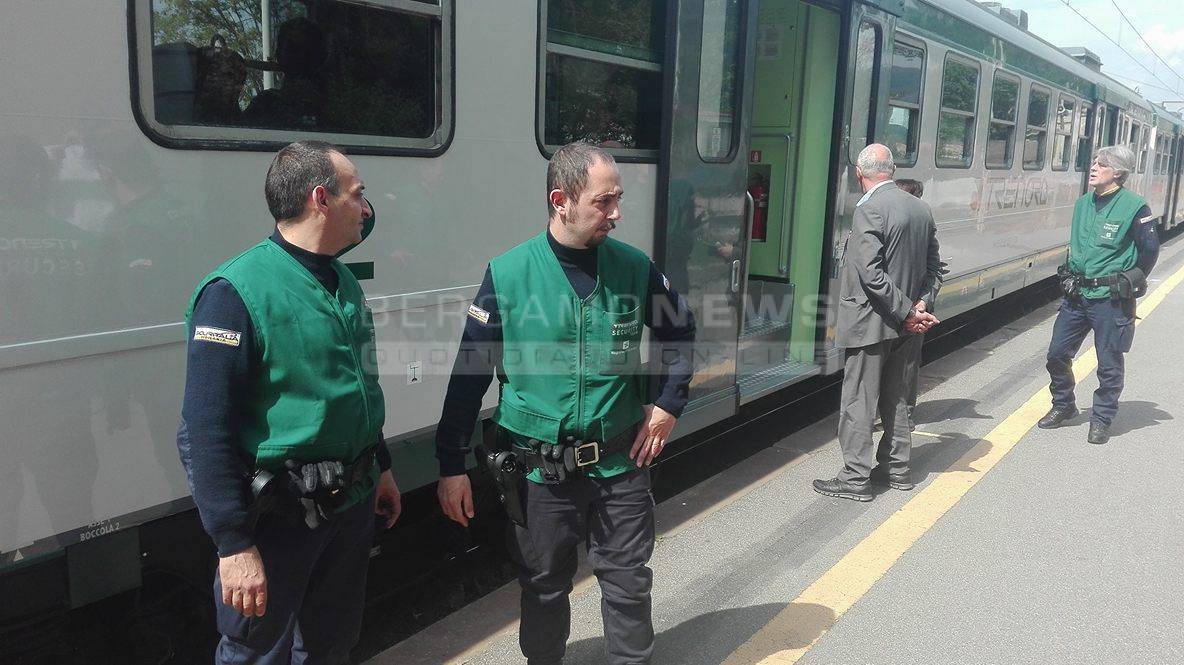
[282, 402]
[1112, 248]
[559, 318]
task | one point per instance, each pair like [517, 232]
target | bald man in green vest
[559, 319]
[1113, 246]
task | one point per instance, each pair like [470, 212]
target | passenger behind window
[221, 75]
[300, 54]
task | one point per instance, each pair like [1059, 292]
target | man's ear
[858, 173]
[319, 197]
[558, 201]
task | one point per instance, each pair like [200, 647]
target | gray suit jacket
[890, 262]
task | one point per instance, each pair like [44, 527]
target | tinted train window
[718, 75]
[327, 67]
[1085, 132]
[603, 74]
[956, 121]
[1062, 143]
[904, 102]
[1144, 140]
[1036, 132]
[865, 89]
[1005, 104]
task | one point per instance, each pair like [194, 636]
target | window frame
[546, 48]
[252, 139]
[941, 109]
[1032, 89]
[919, 44]
[1014, 123]
[1069, 137]
[737, 89]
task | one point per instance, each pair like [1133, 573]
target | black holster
[1130, 284]
[507, 472]
[1070, 282]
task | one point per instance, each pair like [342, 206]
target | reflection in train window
[603, 74]
[865, 87]
[1005, 103]
[1036, 132]
[1062, 142]
[1085, 132]
[956, 120]
[904, 102]
[323, 66]
[719, 62]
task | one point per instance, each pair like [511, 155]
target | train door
[791, 133]
[702, 187]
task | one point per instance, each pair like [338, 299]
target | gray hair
[295, 171]
[568, 170]
[872, 160]
[1118, 157]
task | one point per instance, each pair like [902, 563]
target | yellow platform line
[795, 629]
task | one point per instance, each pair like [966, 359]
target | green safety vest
[571, 367]
[1099, 243]
[316, 395]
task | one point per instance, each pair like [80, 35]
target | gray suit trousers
[876, 379]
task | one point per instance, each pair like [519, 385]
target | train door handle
[736, 276]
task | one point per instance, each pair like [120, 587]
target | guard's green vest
[316, 394]
[1099, 243]
[571, 367]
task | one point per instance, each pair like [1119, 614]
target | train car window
[957, 117]
[1036, 129]
[1144, 141]
[602, 75]
[865, 88]
[1005, 104]
[904, 102]
[1085, 124]
[1062, 141]
[376, 74]
[718, 76]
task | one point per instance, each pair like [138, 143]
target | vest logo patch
[628, 328]
[217, 336]
[478, 314]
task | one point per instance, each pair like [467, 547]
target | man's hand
[244, 585]
[652, 435]
[920, 321]
[387, 500]
[456, 498]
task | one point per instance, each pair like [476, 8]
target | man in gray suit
[891, 275]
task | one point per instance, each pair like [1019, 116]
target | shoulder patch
[1148, 219]
[665, 282]
[217, 336]
[478, 314]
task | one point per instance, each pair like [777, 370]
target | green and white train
[134, 137]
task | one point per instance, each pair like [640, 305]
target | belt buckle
[588, 453]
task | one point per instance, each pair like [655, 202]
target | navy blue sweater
[670, 321]
[216, 380]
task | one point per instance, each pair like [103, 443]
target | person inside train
[1113, 245]
[298, 101]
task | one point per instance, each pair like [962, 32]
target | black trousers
[616, 518]
[1113, 325]
[316, 584]
[876, 380]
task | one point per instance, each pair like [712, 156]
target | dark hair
[568, 170]
[295, 171]
[914, 187]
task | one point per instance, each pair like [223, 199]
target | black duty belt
[1099, 281]
[586, 453]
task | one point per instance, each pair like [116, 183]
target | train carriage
[133, 162]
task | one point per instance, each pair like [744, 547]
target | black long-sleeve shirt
[216, 381]
[1142, 232]
[480, 354]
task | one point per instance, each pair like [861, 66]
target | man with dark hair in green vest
[1112, 248]
[282, 385]
[559, 318]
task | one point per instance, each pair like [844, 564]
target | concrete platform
[1048, 549]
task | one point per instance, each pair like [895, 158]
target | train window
[1144, 141]
[1036, 130]
[1005, 103]
[865, 88]
[268, 71]
[718, 75]
[1062, 140]
[1085, 125]
[957, 117]
[601, 78]
[904, 102]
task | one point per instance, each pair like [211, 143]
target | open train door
[703, 206]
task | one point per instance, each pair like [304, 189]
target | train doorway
[796, 55]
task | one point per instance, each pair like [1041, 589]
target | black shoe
[1099, 433]
[1055, 416]
[898, 481]
[843, 490]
